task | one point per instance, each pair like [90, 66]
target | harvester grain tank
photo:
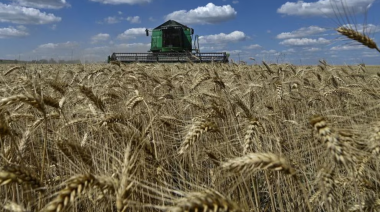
[172, 42]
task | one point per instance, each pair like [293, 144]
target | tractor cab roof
[171, 23]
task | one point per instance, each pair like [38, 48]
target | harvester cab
[172, 42]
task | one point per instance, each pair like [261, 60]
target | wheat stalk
[124, 190]
[75, 151]
[5, 129]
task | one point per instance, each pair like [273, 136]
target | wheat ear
[14, 207]
[198, 127]
[11, 70]
[14, 173]
[207, 201]
[374, 145]
[331, 139]
[253, 129]
[96, 100]
[255, 161]
[326, 183]
[74, 187]
[359, 37]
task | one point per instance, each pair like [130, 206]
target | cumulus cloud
[11, 32]
[52, 46]
[132, 33]
[124, 47]
[313, 49]
[304, 42]
[253, 46]
[111, 20]
[325, 7]
[100, 37]
[269, 51]
[100, 53]
[25, 15]
[291, 50]
[116, 2]
[209, 14]
[134, 19]
[347, 47]
[223, 38]
[42, 4]
[302, 32]
[370, 54]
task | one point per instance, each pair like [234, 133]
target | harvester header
[172, 42]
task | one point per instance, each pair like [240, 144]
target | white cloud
[21, 27]
[269, 51]
[132, 47]
[291, 50]
[100, 53]
[24, 15]
[209, 14]
[302, 32]
[132, 33]
[325, 7]
[42, 4]
[313, 49]
[253, 46]
[51, 46]
[100, 37]
[370, 54]
[304, 42]
[11, 32]
[134, 19]
[116, 2]
[57, 51]
[235, 2]
[233, 52]
[124, 47]
[223, 38]
[111, 20]
[347, 47]
[119, 12]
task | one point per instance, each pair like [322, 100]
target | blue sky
[299, 32]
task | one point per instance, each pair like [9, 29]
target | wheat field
[189, 137]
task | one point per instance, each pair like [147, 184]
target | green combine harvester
[172, 42]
